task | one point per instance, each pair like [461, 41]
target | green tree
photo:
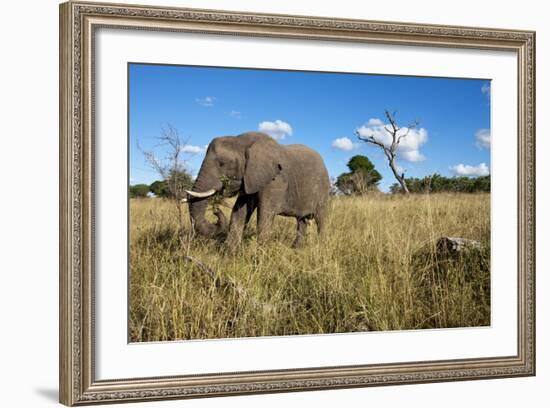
[160, 188]
[177, 181]
[361, 178]
[139, 191]
[362, 163]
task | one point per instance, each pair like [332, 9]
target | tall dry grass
[377, 268]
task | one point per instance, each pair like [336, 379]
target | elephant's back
[308, 159]
[309, 182]
[303, 152]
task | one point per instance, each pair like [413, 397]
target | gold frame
[78, 21]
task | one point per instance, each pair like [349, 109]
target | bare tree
[390, 150]
[172, 167]
[358, 183]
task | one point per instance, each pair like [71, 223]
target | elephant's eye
[222, 164]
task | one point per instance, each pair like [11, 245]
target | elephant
[271, 178]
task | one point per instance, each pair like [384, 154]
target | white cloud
[409, 146]
[470, 171]
[486, 88]
[278, 130]
[192, 149]
[235, 114]
[207, 101]
[344, 143]
[375, 122]
[483, 138]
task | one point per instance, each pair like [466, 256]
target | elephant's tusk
[183, 200]
[201, 195]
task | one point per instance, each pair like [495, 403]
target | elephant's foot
[232, 243]
[300, 232]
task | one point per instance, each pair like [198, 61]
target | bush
[361, 179]
[139, 191]
[160, 188]
[441, 184]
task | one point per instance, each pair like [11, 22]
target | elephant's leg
[319, 217]
[250, 207]
[270, 202]
[237, 223]
[265, 221]
[300, 232]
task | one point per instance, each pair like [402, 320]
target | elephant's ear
[264, 161]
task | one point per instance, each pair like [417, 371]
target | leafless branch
[171, 166]
[403, 135]
[369, 139]
[391, 151]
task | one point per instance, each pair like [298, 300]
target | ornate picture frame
[78, 24]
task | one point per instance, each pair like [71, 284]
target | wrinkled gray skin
[274, 179]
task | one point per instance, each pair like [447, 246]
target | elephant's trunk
[204, 187]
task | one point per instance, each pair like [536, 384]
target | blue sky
[320, 110]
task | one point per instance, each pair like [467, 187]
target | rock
[455, 245]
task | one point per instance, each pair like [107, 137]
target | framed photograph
[256, 203]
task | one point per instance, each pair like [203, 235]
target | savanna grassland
[376, 268]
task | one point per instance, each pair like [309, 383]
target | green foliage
[361, 178]
[217, 199]
[437, 184]
[160, 188]
[177, 182]
[139, 191]
[360, 162]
